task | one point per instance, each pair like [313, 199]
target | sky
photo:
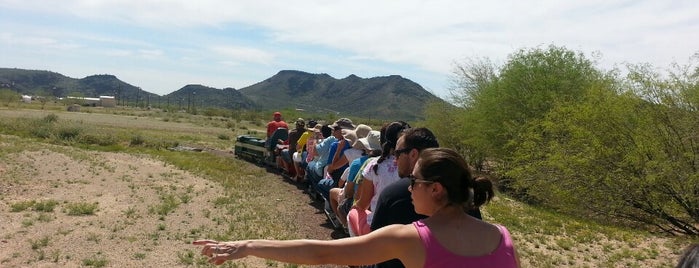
[163, 45]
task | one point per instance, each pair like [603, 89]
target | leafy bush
[101, 139]
[69, 132]
[45, 205]
[21, 206]
[137, 140]
[51, 118]
[80, 209]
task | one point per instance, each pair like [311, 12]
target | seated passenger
[337, 163]
[299, 157]
[378, 173]
[292, 142]
[272, 126]
[342, 198]
[316, 168]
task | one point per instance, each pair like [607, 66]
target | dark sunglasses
[399, 152]
[414, 180]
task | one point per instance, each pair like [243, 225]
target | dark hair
[390, 135]
[326, 130]
[690, 257]
[447, 167]
[419, 138]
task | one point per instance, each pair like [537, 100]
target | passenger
[337, 163]
[347, 157]
[270, 142]
[316, 169]
[343, 198]
[292, 141]
[315, 137]
[690, 258]
[276, 123]
[299, 156]
[378, 173]
[441, 185]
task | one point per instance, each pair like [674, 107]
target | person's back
[276, 123]
[452, 246]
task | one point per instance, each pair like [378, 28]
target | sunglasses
[399, 152]
[414, 180]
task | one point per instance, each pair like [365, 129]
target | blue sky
[164, 45]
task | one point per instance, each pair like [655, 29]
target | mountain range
[388, 97]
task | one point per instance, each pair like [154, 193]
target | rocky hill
[389, 97]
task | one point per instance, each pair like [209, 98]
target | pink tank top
[438, 256]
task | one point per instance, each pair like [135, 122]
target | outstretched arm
[395, 241]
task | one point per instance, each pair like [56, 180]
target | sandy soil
[124, 231]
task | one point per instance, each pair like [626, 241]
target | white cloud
[425, 36]
[243, 54]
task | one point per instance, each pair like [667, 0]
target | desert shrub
[99, 139]
[43, 131]
[137, 140]
[51, 118]
[21, 206]
[80, 209]
[69, 132]
[45, 205]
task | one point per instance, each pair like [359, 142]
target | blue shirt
[323, 150]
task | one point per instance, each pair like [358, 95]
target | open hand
[218, 252]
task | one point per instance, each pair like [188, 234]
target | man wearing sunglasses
[395, 205]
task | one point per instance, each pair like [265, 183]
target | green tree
[628, 151]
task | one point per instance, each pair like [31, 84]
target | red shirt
[274, 125]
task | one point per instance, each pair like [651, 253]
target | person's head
[441, 178]
[690, 258]
[370, 144]
[277, 116]
[326, 130]
[389, 138]
[312, 124]
[411, 142]
[349, 135]
[300, 124]
[343, 123]
[362, 131]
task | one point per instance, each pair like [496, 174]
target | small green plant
[139, 256]
[41, 243]
[223, 137]
[93, 237]
[97, 261]
[168, 204]
[130, 212]
[186, 257]
[21, 206]
[137, 140]
[44, 217]
[69, 132]
[27, 222]
[80, 209]
[51, 118]
[45, 205]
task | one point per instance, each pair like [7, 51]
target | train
[258, 150]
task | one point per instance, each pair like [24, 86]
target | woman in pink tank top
[441, 188]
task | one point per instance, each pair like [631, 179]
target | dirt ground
[124, 231]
